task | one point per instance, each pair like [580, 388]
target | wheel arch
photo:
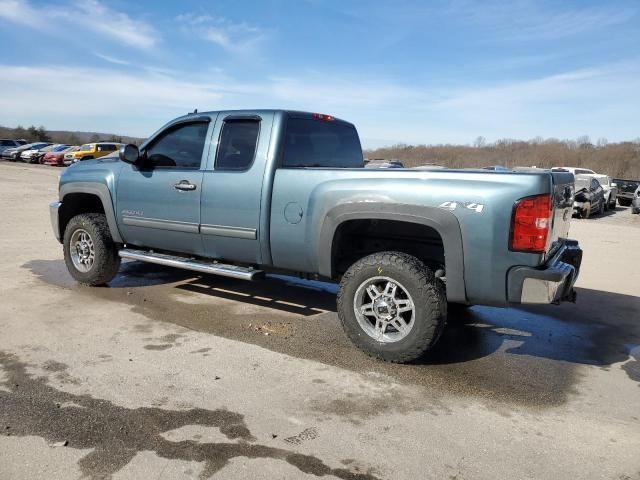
[444, 223]
[87, 197]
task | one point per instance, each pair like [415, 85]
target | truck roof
[290, 113]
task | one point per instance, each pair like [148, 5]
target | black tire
[612, 205]
[427, 293]
[88, 157]
[106, 262]
[625, 202]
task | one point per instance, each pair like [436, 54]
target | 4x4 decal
[452, 205]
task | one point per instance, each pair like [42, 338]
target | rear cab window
[321, 142]
[238, 143]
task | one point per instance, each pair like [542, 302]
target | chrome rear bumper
[551, 283]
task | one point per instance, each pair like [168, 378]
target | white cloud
[113, 24]
[110, 59]
[231, 36]
[18, 11]
[526, 20]
[601, 102]
[89, 15]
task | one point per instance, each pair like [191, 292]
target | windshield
[582, 183]
[86, 146]
[627, 185]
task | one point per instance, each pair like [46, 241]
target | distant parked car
[574, 170]
[626, 190]
[13, 153]
[35, 155]
[384, 164]
[610, 191]
[635, 203]
[56, 148]
[89, 151]
[588, 197]
[6, 143]
[56, 158]
[32, 155]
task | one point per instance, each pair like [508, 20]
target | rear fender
[444, 222]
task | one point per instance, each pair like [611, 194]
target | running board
[233, 271]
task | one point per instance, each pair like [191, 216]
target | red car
[56, 159]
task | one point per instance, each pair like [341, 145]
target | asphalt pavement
[170, 374]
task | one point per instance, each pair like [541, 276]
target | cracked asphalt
[170, 374]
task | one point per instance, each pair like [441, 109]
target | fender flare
[444, 222]
[102, 192]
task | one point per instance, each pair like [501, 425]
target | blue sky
[413, 72]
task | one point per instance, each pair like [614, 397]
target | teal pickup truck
[244, 193]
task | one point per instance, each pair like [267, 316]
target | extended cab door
[159, 202]
[235, 186]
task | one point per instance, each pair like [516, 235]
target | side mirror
[129, 153]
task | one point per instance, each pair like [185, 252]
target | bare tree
[480, 142]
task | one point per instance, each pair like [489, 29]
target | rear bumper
[55, 219]
[551, 283]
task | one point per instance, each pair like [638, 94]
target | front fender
[101, 191]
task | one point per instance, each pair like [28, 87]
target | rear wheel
[391, 306]
[625, 202]
[90, 254]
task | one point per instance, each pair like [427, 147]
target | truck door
[234, 186]
[159, 202]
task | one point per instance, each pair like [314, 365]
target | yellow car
[89, 151]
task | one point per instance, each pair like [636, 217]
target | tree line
[41, 134]
[618, 160]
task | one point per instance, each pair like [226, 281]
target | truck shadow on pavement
[525, 355]
[31, 407]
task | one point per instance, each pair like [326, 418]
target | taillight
[530, 224]
[324, 117]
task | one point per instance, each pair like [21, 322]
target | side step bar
[233, 271]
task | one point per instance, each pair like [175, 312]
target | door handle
[184, 186]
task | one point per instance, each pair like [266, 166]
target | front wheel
[90, 254]
[391, 306]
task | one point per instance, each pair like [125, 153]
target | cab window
[179, 147]
[238, 141]
[317, 143]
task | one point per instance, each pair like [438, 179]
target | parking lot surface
[170, 374]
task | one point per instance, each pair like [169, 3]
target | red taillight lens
[530, 224]
[323, 117]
